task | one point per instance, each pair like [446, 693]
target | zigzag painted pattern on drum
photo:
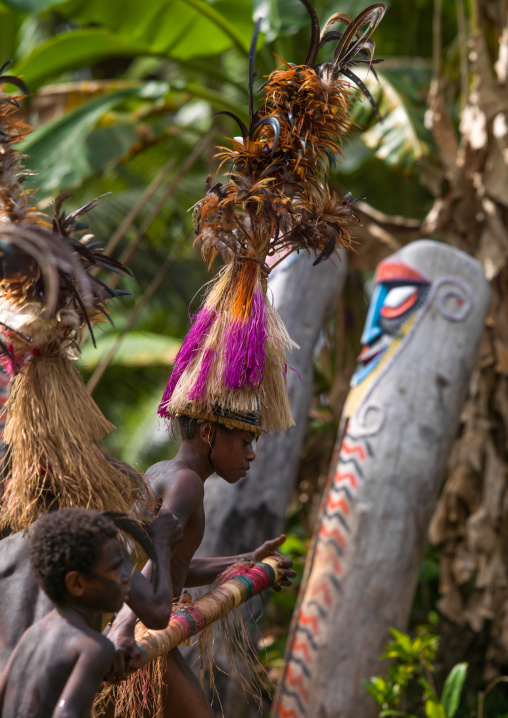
[324, 581]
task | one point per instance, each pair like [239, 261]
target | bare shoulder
[168, 476]
[160, 471]
[96, 647]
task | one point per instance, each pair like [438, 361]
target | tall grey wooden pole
[400, 418]
[240, 517]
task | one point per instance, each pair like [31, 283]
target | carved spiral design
[369, 420]
[447, 289]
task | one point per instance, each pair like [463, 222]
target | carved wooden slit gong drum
[400, 418]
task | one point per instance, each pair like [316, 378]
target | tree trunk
[470, 525]
[241, 517]
[397, 428]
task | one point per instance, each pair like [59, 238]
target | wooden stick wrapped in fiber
[238, 585]
[141, 692]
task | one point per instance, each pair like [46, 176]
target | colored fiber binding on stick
[238, 585]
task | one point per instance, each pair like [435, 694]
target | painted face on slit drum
[400, 291]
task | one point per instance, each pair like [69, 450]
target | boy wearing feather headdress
[229, 379]
[48, 298]
[206, 447]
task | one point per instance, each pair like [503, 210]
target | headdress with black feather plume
[47, 298]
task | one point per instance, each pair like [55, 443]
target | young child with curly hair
[57, 666]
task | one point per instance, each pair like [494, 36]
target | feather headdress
[47, 297]
[232, 367]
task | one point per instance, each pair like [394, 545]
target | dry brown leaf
[438, 120]
[492, 254]
[496, 173]
[452, 606]
[491, 99]
[501, 357]
[478, 610]
[481, 535]
[486, 358]
[491, 574]
[504, 630]
[494, 482]
[501, 66]
[463, 566]
[473, 124]
[471, 448]
[500, 401]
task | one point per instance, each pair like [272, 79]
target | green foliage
[68, 51]
[136, 349]
[410, 677]
[59, 150]
[280, 17]
[30, 5]
[399, 138]
[10, 22]
[453, 688]
[181, 29]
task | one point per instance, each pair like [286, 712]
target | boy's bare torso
[43, 662]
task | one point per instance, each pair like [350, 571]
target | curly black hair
[67, 540]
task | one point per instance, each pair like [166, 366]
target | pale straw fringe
[270, 397]
[52, 430]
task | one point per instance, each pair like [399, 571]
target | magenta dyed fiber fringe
[192, 343]
[198, 390]
[245, 348]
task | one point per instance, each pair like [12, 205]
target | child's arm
[203, 571]
[77, 697]
[153, 606]
[182, 498]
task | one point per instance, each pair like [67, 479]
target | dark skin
[60, 661]
[23, 602]
[180, 486]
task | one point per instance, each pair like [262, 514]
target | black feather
[273, 122]
[314, 36]
[10, 80]
[241, 125]
[348, 47]
[252, 59]
[354, 78]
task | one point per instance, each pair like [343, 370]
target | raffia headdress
[232, 365]
[47, 298]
